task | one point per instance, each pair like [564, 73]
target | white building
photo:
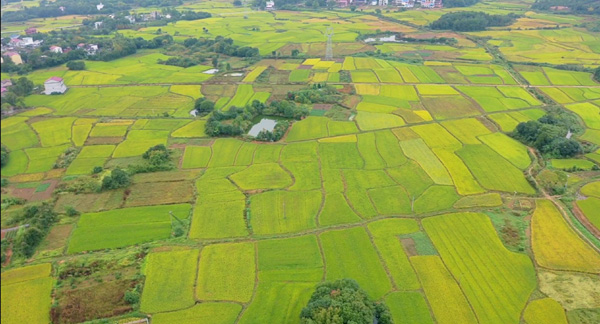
[270, 5]
[56, 49]
[54, 85]
[27, 41]
[99, 6]
[97, 24]
[130, 18]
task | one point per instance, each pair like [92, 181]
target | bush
[3, 156]
[157, 155]
[97, 169]
[132, 297]
[117, 179]
[71, 212]
[76, 65]
[204, 106]
[472, 21]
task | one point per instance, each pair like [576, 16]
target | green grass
[284, 211]
[278, 302]
[41, 159]
[224, 152]
[299, 75]
[389, 148]
[556, 245]
[17, 134]
[226, 272]
[497, 282]
[590, 207]
[466, 130]
[390, 200]
[546, 310]
[513, 151]
[357, 185]
[566, 164]
[445, 297]
[169, 281]
[368, 151]
[591, 189]
[385, 235]
[412, 177]
[263, 176]
[196, 157]
[290, 259]
[306, 175]
[337, 211]
[123, 227]
[139, 141]
[266, 154]
[435, 136]
[589, 112]
[26, 294]
[461, 176]
[485, 200]
[340, 156]
[217, 313]
[109, 130]
[308, 128]
[371, 121]
[54, 132]
[408, 308]
[486, 165]
[17, 163]
[436, 198]
[350, 254]
[422, 154]
[242, 96]
[193, 129]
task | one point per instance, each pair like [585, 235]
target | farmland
[403, 162]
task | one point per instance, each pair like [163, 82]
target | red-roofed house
[30, 31]
[54, 85]
[56, 49]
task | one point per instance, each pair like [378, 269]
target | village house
[343, 3]
[130, 18]
[97, 24]
[270, 5]
[100, 6]
[54, 85]
[56, 49]
[5, 85]
[30, 31]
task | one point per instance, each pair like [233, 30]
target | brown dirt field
[86, 203]
[409, 246]
[141, 194]
[322, 106]
[167, 176]
[57, 238]
[100, 301]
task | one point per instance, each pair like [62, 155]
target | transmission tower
[329, 50]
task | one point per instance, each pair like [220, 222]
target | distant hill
[590, 7]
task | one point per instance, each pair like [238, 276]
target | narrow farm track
[560, 207]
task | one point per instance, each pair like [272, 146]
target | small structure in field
[56, 49]
[54, 85]
[14, 57]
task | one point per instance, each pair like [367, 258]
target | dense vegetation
[15, 94]
[343, 301]
[548, 134]
[39, 219]
[237, 121]
[587, 7]
[472, 21]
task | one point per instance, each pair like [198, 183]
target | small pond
[264, 123]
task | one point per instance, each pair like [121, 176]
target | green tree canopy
[343, 301]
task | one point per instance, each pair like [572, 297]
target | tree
[22, 87]
[76, 65]
[353, 8]
[215, 62]
[237, 3]
[117, 179]
[343, 301]
[4, 156]
[295, 52]
[204, 106]
[157, 155]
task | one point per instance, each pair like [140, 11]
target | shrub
[76, 65]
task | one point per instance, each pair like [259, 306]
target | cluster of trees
[237, 121]
[203, 106]
[596, 75]
[317, 93]
[587, 7]
[15, 94]
[47, 9]
[343, 301]
[548, 134]
[40, 218]
[459, 3]
[76, 65]
[118, 21]
[220, 45]
[117, 178]
[472, 21]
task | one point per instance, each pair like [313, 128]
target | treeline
[549, 134]
[587, 7]
[465, 21]
[14, 97]
[220, 45]
[459, 3]
[48, 9]
[118, 21]
[596, 75]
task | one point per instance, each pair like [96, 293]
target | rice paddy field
[411, 183]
